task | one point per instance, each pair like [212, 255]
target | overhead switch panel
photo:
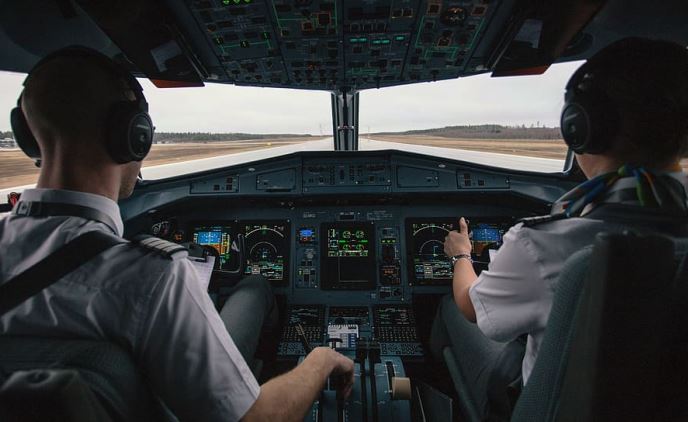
[331, 44]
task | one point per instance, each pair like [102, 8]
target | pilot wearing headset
[626, 118]
[86, 119]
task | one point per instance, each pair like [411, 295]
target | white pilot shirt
[514, 296]
[150, 305]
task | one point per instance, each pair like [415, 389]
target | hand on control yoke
[458, 242]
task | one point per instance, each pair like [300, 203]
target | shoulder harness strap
[55, 266]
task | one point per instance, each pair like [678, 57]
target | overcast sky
[226, 108]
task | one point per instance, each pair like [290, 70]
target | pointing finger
[463, 226]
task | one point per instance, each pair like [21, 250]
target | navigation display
[267, 250]
[425, 242]
[220, 238]
[428, 265]
[348, 256]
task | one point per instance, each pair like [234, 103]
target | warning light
[236, 1]
[399, 38]
[226, 2]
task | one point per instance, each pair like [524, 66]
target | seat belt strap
[55, 266]
[55, 209]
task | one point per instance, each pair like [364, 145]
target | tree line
[175, 137]
[467, 131]
[486, 132]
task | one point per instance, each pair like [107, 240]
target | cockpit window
[504, 122]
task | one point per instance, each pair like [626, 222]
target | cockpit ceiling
[326, 44]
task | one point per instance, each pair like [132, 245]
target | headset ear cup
[130, 133]
[140, 135]
[22, 134]
[589, 121]
[575, 127]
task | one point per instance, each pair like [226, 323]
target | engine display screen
[221, 239]
[348, 252]
[348, 242]
[267, 250]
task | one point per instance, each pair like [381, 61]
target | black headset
[589, 119]
[129, 129]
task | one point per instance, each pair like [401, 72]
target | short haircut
[647, 81]
[69, 98]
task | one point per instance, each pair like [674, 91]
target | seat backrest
[540, 394]
[628, 356]
[107, 369]
[612, 340]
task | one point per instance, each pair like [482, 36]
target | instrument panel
[369, 255]
[351, 229]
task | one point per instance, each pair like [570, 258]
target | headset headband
[129, 129]
[77, 51]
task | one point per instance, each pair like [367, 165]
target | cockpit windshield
[504, 122]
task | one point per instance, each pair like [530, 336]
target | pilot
[626, 118]
[79, 105]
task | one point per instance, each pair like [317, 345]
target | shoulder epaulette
[161, 247]
[540, 219]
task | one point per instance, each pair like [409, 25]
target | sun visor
[542, 34]
[151, 41]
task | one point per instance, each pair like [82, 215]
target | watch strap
[456, 258]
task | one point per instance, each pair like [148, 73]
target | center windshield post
[345, 120]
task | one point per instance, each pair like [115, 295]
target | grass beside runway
[17, 170]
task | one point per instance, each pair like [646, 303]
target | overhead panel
[243, 37]
[310, 33]
[446, 36]
[335, 44]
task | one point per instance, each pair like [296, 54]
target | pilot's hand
[343, 370]
[458, 242]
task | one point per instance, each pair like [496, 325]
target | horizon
[522, 126]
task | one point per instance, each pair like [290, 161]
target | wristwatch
[456, 258]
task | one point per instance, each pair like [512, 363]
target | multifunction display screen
[428, 262]
[221, 239]
[486, 236]
[348, 256]
[267, 249]
[348, 242]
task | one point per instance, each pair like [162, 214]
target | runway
[545, 165]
